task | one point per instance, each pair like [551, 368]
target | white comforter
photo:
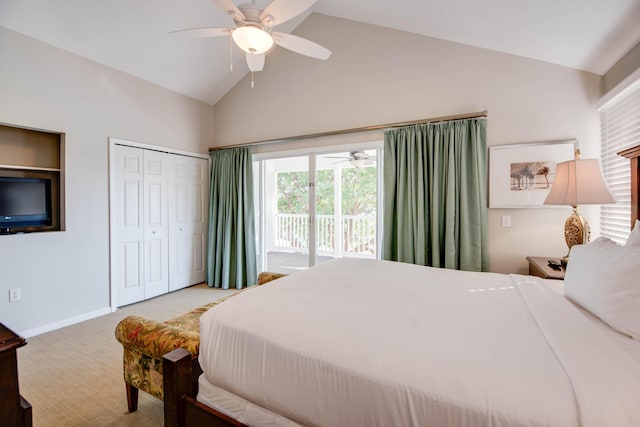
[374, 343]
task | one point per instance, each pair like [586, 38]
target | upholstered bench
[145, 341]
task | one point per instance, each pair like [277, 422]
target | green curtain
[435, 195]
[231, 255]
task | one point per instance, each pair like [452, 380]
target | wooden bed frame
[180, 389]
[633, 154]
[180, 369]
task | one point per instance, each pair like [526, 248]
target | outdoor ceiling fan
[356, 158]
[254, 30]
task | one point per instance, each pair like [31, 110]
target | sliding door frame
[312, 153]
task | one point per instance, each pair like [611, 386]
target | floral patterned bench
[145, 341]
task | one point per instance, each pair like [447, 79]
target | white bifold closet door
[188, 221]
[199, 199]
[127, 273]
[159, 222]
[156, 223]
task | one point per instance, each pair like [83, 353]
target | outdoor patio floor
[290, 262]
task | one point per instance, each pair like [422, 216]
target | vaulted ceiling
[132, 35]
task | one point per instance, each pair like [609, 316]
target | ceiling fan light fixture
[252, 39]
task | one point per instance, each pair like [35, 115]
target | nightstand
[538, 266]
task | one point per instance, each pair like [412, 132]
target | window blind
[620, 129]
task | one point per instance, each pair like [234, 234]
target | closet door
[199, 198]
[156, 227]
[179, 223]
[188, 218]
[127, 224]
[159, 216]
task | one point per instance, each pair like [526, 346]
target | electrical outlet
[14, 295]
[506, 221]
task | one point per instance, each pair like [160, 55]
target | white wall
[64, 276]
[621, 69]
[378, 76]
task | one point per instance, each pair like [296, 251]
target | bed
[374, 343]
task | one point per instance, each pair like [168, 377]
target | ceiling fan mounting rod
[251, 15]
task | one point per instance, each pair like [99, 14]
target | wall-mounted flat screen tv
[24, 202]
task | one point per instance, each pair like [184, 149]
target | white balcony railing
[358, 234]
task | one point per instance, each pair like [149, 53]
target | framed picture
[521, 175]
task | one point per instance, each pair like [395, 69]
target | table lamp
[578, 182]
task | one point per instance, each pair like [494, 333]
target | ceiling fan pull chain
[252, 80]
[231, 53]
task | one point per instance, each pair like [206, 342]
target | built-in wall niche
[31, 158]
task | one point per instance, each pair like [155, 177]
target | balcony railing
[358, 234]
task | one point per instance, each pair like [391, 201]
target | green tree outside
[358, 191]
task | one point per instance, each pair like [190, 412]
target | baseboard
[66, 322]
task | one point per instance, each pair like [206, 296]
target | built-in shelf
[29, 168]
[33, 153]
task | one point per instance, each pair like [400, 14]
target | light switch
[506, 220]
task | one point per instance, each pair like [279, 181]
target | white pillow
[604, 278]
[634, 237]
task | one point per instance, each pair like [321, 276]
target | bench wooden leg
[132, 397]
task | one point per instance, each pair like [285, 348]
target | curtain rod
[360, 129]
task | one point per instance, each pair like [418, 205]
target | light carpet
[73, 376]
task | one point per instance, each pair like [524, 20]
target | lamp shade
[579, 182]
[252, 39]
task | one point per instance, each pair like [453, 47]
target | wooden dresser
[15, 411]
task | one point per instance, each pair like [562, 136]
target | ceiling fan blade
[230, 8]
[301, 46]
[280, 11]
[202, 32]
[255, 61]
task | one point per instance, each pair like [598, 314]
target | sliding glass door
[314, 208]
[346, 205]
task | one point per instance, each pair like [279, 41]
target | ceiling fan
[356, 158]
[254, 33]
